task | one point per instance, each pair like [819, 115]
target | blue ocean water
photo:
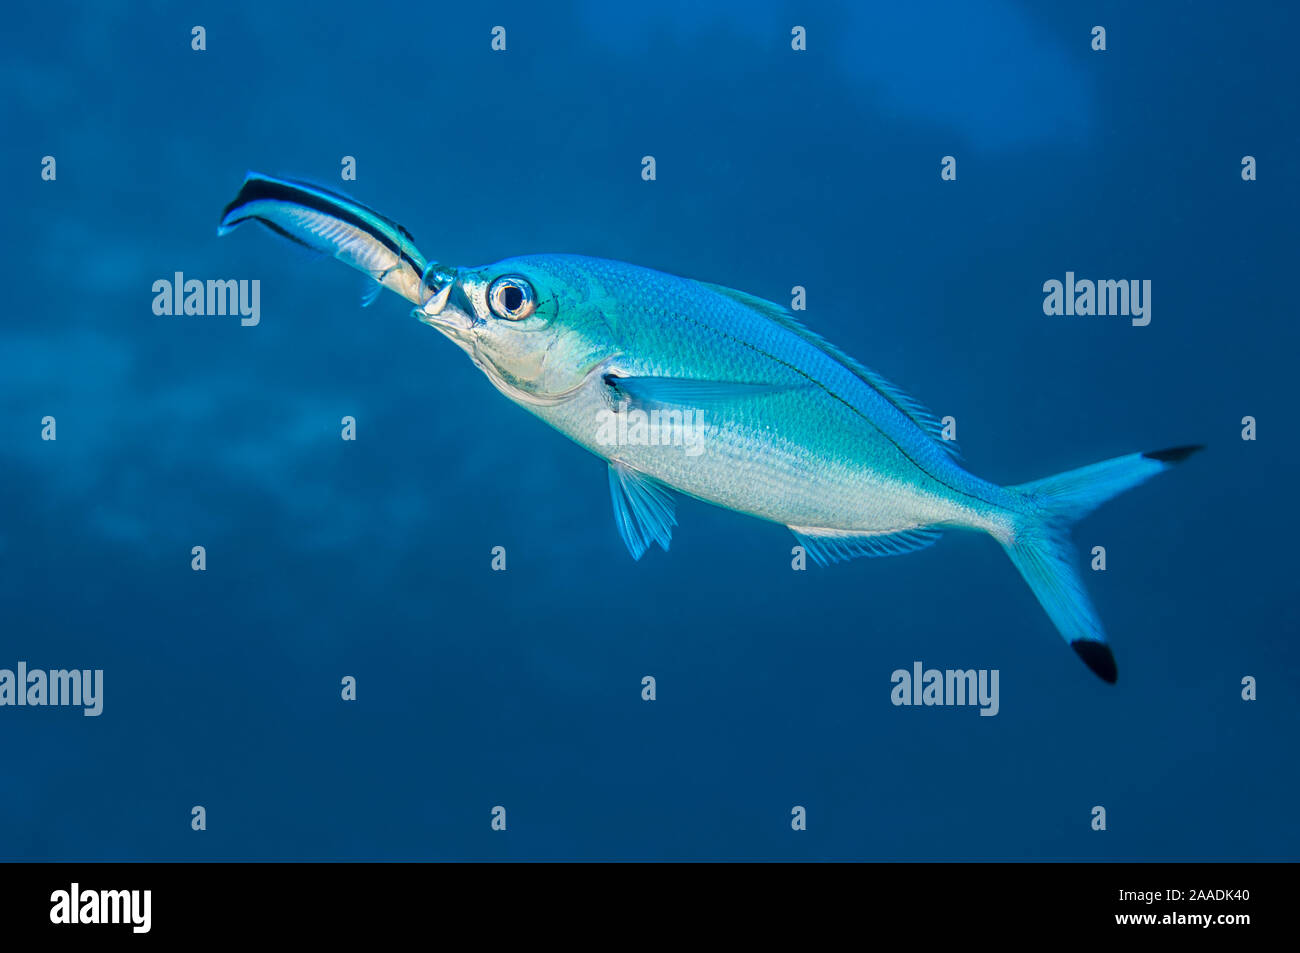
[522, 689]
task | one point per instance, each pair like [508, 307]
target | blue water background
[522, 688]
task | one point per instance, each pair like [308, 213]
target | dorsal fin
[911, 408]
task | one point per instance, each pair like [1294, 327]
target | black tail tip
[1097, 656]
[1174, 454]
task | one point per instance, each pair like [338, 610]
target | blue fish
[681, 386]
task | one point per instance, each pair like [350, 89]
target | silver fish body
[817, 446]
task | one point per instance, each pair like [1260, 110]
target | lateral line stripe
[758, 350]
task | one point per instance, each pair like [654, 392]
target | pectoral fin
[371, 291]
[643, 510]
[686, 392]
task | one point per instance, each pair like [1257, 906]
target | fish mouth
[441, 302]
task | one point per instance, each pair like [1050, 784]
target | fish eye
[512, 297]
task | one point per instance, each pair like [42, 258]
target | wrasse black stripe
[275, 228]
[323, 201]
[349, 200]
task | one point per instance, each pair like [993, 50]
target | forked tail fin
[1046, 557]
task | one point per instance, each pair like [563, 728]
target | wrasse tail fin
[1045, 556]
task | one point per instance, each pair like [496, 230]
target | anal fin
[828, 546]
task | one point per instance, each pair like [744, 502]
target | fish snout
[440, 306]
